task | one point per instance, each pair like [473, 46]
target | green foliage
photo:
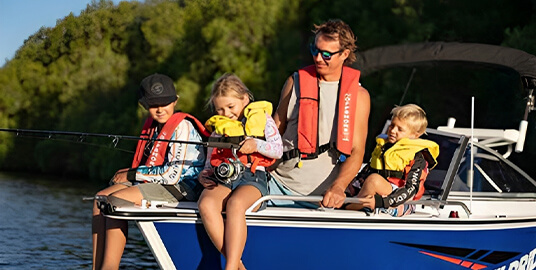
[84, 73]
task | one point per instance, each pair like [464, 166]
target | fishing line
[48, 134]
[114, 147]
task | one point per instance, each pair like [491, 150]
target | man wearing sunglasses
[323, 118]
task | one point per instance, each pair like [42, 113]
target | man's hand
[334, 197]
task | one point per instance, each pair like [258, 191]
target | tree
[84, 73]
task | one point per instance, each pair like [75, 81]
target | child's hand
[368, 202]
[120, 177]
[204, 180]
[248, 146]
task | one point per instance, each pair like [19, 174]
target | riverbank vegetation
[83, 74]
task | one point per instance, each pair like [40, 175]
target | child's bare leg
[374, 184]
[116, 239]
[117, 230]
[98, 225]
[211, 204]
[235, 225]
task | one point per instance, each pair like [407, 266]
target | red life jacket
[159, 149]
[308, 112]
[220, 155]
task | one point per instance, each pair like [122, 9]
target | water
[45, 224]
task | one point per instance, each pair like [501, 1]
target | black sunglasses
[325, 54]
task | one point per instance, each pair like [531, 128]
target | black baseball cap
[155, 90]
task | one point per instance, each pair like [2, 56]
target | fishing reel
[228, 172]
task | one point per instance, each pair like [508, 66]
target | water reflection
[45, 224]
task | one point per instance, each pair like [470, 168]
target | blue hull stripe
[322, 248]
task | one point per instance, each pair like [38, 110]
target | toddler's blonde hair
[413, 115]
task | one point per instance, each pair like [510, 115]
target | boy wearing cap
[160, 171]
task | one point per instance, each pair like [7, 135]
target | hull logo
[478, 258]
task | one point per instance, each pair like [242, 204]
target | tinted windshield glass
[447, 148]
[491, 174]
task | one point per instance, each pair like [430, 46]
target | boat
[478, 212]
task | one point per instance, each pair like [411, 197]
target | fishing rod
[50, 134]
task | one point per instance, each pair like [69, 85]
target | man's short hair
[413, 115]
[336, 29]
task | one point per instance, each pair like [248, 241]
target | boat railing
[317, 199]
[493, 137]
[296, 198]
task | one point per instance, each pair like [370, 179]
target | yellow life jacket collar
[400, 154]
[255, 115]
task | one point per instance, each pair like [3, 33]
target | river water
[45, 224]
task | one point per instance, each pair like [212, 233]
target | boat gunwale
[340, 217]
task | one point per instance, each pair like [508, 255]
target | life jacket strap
[296, 153]
[233, 140]
[388, 173]
[429, 158]
[290, 154]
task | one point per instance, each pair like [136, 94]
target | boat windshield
[492, 174]
[437, 182]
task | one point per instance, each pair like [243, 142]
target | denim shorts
[258, 180]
